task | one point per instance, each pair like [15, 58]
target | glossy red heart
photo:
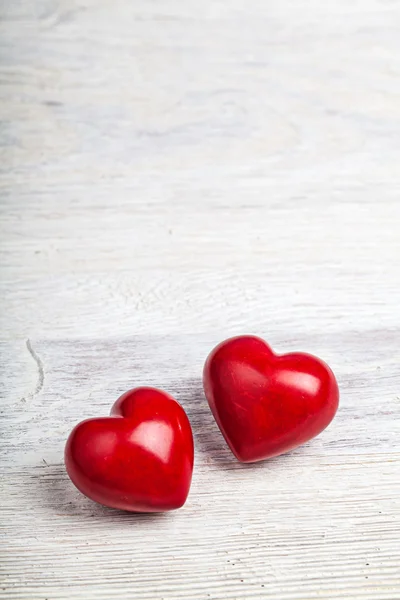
[140, 459]
[267, 404]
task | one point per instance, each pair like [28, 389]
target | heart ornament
[266, 404]
[139, 459]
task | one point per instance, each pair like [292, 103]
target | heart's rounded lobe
[139, 459]
[267, 404]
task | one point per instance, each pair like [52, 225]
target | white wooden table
[173, 173]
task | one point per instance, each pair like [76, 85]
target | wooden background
[172, 173]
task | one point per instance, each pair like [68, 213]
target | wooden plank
[321, 521]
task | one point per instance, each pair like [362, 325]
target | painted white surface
[173, 173]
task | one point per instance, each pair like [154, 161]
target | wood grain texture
[319, 522]
[172, 173]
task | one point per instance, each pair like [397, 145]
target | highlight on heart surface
[139, 459]
[267, 404]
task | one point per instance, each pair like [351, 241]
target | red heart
[140, 459]
[266, 404]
